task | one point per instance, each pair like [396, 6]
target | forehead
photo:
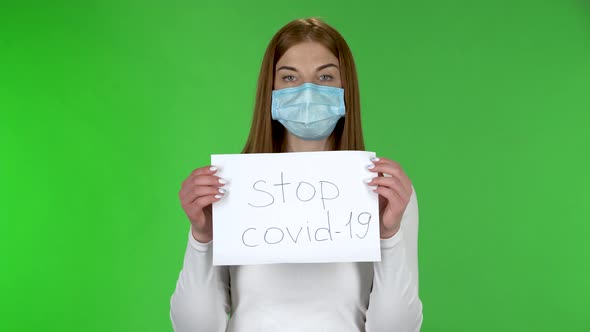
[311, 53]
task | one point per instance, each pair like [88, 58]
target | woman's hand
[394, 194]
[197, 193]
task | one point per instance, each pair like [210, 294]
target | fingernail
[218, 196]
[373, 159]
[368, 180]
[222, 181]
[371, 166]
[212, 168]
[222, 191]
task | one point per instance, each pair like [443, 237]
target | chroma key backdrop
[107, 106]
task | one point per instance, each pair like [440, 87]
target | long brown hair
[267, 135]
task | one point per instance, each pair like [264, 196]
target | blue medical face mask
[308, 111]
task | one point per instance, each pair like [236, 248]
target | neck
[296, 144]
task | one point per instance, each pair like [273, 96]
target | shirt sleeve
[394, 304]
[201, 300]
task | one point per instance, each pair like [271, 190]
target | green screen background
[106, 106]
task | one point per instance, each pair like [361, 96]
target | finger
[388, 166]
[200, 191]
[391, 183]
[206, 170]
[391, 195]
[209, 180]
[201, 202]
[384, 165]
[201, 180]
[196, 207]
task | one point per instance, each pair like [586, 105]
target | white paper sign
[305, 207]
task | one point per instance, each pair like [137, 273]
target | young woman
[307, 61]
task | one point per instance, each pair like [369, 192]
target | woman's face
[307, 62]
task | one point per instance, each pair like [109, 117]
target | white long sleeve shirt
[342, 297]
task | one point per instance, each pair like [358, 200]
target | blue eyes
[291, 78]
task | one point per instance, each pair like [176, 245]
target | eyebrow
[317, 69]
